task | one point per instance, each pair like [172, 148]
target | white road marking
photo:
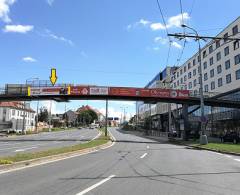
[55, 160]
[145, 154]
[147, 147]
[24, 149]
[237, 159]
[228, 156]
[95, 185]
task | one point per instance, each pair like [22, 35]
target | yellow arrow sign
[53, 77]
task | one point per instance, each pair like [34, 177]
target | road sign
[53, 77]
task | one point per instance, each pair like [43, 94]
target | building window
[238, 74]
[185, 77]
[217, 44]
[226, 51]
[235, 45]
[194, 62]
[219, 82]
[227, 64]
[174, 85]
[212, 85]
[185, 69]
[218, 56]
[235, 30]
[199, 69]
[177, 74]
[228, 78]
[206, 88]
[190, 75]
[212, 73]
[205, 65]
[13, 112]
[210, 49]
[195, 82]
[189, 65]
[204, 54]
[237, 59]
[205, 77]
[198, 58]
[219, 69]
[181, 72]
[211, 61]
[18, 113]
[194, 72]
[181, 80]
[225, 37]
[178, 83]
[190, 85]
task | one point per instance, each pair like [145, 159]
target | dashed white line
[95, 185]
[237, 159]
[147, 147]
[145, 154]
[24, 149]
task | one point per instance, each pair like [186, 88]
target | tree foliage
[43, 115]
[87, 117]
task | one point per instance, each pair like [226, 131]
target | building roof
[15, 105]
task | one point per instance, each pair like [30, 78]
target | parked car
[231, 137]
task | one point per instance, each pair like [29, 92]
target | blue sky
[102, 42]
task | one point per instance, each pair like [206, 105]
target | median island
[55, 151]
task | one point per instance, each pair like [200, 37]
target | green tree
[87, 117]
[43, 115]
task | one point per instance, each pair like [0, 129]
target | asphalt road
[134, 165]
[43, 141]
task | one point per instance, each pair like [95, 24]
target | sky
[101, 42]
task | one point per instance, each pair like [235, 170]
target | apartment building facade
[220, 62]
[12, 116]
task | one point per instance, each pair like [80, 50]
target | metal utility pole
[50, 116]
[106, 119]
[37, 117]
[203, 137]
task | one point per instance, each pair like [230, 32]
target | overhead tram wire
[184, 32]
[165, 25]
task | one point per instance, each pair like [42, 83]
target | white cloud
[164, 41]
[174, 21]
[18, 28]
[5, 10]
[141, 22]
[50, 2]
[157, 26]
[83, 54]
[54, 107]
[177, 45]
[28, 59]
[48, 33]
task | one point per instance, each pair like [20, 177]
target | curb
[53, 158]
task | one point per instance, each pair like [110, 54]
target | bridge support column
[185, 120]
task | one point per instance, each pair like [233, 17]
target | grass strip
[221, 147]
[34, 155]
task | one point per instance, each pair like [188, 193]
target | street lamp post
[203, 137]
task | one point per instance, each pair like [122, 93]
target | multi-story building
[221, 75]
[12, 116]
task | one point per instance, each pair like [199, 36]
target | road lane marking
[95, 185]
[237, 159]
[147, 147]
[228, 156]
[24, 149]
[145, 154]
[56, 160]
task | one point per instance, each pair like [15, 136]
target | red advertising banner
[79, 90]
[123, 91]
[169, 93]
[48, 91]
